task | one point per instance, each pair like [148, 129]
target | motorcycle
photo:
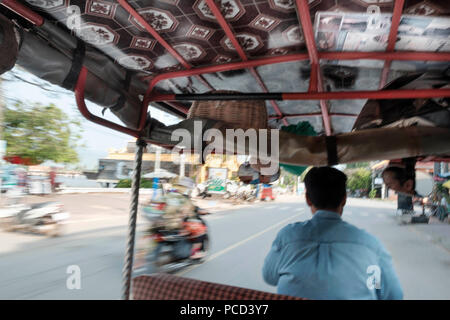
[167, 251]
[44, 218]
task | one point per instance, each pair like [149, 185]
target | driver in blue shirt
[326, 257]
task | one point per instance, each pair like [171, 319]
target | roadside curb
[102, 190]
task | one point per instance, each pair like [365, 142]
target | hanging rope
[128, 266]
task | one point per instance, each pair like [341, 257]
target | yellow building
[229, 162]
[155, 157]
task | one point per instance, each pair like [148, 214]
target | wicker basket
[246, 113]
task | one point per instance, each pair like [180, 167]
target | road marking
[96, 206]
[93, 220]
[364, 214]
[300, 209]
[240, 243]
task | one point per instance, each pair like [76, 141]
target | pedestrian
[326, 257]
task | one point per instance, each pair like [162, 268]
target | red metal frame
[23, 11]
[337, 95]
[315, 79]
[315, 114]
[79, 96]
[395, 22]
[315, 87]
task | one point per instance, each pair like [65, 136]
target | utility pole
[182, 163]
[437, 168]
[2, 141]
[158, 159]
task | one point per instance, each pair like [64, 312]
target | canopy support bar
[79, 96]
[23, 11]
[128, 265]
[315, 80]
[314, 114]
[396, 16]
[282, 96]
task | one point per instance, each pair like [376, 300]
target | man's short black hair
[325, 187]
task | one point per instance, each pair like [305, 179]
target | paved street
[34, 267]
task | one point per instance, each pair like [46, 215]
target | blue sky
[97, 139]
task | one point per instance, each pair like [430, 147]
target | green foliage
[357, 165]
[359, 179]
[289, 179]
[372, 194]
[40, 133]
[126, 183]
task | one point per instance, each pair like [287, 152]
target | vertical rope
[128, 266]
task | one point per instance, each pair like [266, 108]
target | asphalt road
[35, 267]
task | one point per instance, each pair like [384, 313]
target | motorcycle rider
[180, 216]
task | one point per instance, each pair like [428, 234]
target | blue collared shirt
[328, 258]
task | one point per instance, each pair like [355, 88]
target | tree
[40, 133]
[357, 165]
[359, 179]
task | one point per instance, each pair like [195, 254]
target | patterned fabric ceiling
[263, 28]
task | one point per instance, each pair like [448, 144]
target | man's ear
[308, 201]
[344, 201]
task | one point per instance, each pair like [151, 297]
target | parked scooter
[246, 192]
[231, 190]
[44, 218]
[202, 190]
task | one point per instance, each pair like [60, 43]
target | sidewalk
[215, 204]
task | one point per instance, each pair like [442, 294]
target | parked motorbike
[202, 190]
[44, 218]
[231, 190]
[246, 192]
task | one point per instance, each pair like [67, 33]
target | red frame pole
[395, 22]
[315, 80]
[79, 96]
[228, 31]
[394, 55]
[404, 56]
[23, 11]
[316, 114]
[336, 95]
